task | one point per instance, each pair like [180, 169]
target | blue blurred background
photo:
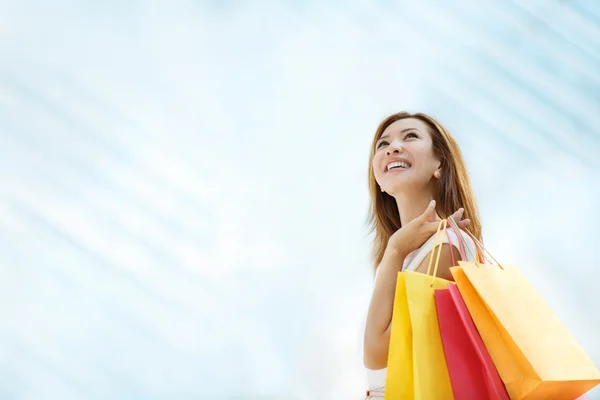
[184, 184]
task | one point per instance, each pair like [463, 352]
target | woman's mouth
[397, 165]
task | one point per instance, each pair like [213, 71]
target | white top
[376, 378]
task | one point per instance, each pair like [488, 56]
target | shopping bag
[399, 382]
[535, 354]
[470, 367]
[416, 363]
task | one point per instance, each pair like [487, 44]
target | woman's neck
[411, 205]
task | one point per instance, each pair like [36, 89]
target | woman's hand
[412, 235]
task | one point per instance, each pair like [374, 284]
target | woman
[417, 177]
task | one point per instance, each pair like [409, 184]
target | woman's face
[404, 158]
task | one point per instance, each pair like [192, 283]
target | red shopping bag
[472, 372]
[471, 369]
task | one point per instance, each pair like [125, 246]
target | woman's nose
[393, 147]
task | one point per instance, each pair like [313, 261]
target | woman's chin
[400, 187]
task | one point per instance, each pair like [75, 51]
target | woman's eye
[382, 143]
[411, 134]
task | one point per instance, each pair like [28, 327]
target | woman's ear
[438, 172]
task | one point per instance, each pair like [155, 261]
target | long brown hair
[453, 189]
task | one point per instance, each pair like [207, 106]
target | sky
[184, 184]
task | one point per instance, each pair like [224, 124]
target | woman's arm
[379, 317]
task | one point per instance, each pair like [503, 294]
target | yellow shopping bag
[535, 354]
[399, 375]
[416, 363]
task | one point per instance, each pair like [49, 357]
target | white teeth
[396, 164]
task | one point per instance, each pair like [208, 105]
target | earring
[437, 174]
[382, 190]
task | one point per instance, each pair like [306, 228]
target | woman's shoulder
[464, 244]
[451, 237]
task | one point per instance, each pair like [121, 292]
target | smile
[397, 165]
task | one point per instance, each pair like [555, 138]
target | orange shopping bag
[534, 352]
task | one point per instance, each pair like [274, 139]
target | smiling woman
[417, 177]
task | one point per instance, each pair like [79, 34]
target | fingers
[429, 214]
[457, 216]
[433, 226]
[464, 223]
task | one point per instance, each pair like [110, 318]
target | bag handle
[444, 224]
[463, 243]
[481, 249]
[459, 237]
